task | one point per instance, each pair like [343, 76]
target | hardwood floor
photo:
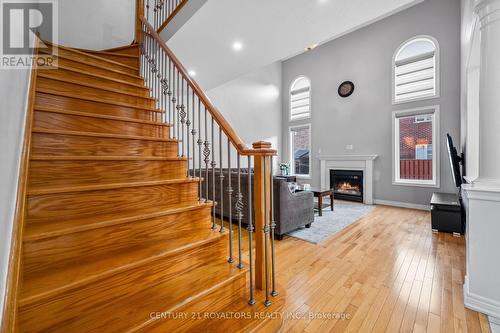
[388, 272]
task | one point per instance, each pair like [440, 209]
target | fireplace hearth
[347, 184]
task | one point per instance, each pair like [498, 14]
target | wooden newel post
[262, 206]
[139, 12]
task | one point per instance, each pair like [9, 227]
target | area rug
[330, 223]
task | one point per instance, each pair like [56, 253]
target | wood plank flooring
[387, 273]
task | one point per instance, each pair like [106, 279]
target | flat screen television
[455, 161]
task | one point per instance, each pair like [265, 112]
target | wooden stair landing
[114, 229]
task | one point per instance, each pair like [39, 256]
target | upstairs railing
[215, 155]
[159, 13]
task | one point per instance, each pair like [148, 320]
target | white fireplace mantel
[350, 162]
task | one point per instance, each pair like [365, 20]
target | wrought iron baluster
[178, 110]
[188, 125]
[266, 236]
[274, 292]
[174, 101]
[251, 299]
[170, 97]
[213, 164]
[165, 99]
[221, 178]
[206, 153]
[182, 111]
[200, 142]
[239, 212]
[193, 134]
[229, 196]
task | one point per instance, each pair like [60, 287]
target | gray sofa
[291, 210]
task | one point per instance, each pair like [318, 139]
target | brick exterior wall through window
[415, 131]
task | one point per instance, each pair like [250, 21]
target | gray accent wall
[363, 120]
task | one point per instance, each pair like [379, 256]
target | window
[300, 98]
[416, 147]
[300, 150]
[416, 70]
[423, 151]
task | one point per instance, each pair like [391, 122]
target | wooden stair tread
[105, 158]
[103, 135]
[89, 55]
[51, 227]
[109, 53]
[104, 77]
[48, 190]
[101, 116]
[77, 96]
[100, 87]
[44, 284]
[59, 56]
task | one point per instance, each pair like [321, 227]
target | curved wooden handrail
[259, 148]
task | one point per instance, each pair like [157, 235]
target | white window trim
[290, 99]
[290, 151]
[437, 69]
[436, 181]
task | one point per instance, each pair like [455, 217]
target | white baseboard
[484, 305]
[401, 204]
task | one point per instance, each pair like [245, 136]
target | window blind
[415, 77]
[300, 103]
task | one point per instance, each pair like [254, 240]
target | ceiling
[269, 30]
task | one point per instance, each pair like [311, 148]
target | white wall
[13, 96]
[252, 105]
[96, 24]
[469, 72]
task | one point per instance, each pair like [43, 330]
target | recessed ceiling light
[192, 73]
[309, 48]
[237, 46]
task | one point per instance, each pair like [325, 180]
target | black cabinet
[447, 213]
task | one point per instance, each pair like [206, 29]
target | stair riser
[93, 80]
[60, 121]
[98, 70]
[96, 300]
[131, 50]
[88, 203]
[93, 61]
[90, 92]
[134, 62]
[71, 145]
[75, 173]
[56, 252]
[75, 104]
[210, 303]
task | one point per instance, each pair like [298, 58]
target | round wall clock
[346, 89]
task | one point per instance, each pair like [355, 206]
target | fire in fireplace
[347, 184]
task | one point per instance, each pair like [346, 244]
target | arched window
[416, 70]
[300, 98]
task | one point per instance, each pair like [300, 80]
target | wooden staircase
[114, 231]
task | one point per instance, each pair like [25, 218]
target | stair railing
[160, 12]
[212, 148]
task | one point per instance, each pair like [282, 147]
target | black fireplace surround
[347, 184]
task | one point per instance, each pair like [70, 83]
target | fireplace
[347, 184]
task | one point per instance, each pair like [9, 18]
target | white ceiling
[270, 30]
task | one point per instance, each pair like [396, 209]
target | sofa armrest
[295, 210]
